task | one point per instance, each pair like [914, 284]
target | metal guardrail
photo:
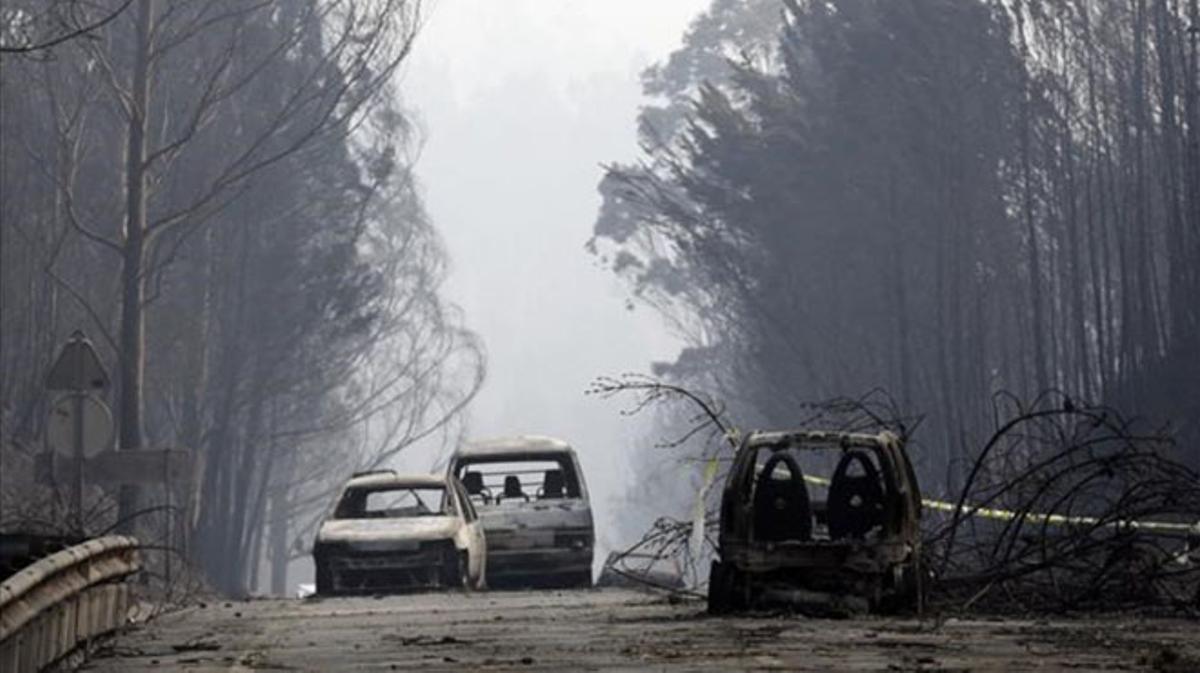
[52, 606]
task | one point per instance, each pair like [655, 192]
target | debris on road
[620, 629]
[1070, 507]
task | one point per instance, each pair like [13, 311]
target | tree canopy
[221, 194]
[941, 198]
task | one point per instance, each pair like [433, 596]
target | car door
[474, 530]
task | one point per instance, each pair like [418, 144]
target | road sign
[144, 466]
[79, 423]
[96, 425]
[141, 466]
[77, 367]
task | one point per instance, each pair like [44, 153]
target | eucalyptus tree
[812, 219]
[944, 199]
[222, 193]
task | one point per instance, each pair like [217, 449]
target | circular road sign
[97, 425]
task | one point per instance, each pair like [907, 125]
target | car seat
[782, 510]
[552, 484]
[512, 488]
[473, 482]
[855, 500]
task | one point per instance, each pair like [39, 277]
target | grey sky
[521, 101]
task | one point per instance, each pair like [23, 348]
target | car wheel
[481, 581]
[905, 591]
[718, 589]
[578, 580]
[456, 571]
[740, 588]
[324, 579]
[464, 571]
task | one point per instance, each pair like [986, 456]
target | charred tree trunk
[1027, 210]
[277, 532]
[133, 282]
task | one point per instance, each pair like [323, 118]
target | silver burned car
[534, 507]
[391, 532]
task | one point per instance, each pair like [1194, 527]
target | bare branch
[74, 28]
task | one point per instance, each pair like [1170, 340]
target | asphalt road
[606, 629]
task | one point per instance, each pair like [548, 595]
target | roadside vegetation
[220, 194]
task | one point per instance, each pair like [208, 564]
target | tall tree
[944, 199]
[222, 192]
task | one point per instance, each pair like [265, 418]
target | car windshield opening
[392, 502]
[513, 480]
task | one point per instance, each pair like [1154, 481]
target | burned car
[534, 506]
[856, 550]
[391, 532]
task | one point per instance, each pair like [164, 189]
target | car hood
[414, 529]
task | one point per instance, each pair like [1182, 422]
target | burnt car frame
[402, 542]
[533, 503]
[857, 550]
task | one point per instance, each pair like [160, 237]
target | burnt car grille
[354, 570]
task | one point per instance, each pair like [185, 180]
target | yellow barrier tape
[1033, 517]
[696, 543]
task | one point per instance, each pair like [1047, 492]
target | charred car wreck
[533, 503]
[393, 532]
[856, 550]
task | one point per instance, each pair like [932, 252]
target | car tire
[324, 579]
[739, 589]
[730, 592]
[718, 589]
[578, 580]
[464, 570]
[905, 594]
[456, 571]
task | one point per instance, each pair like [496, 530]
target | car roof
[512, 445]
[383, 478]
[821, 437]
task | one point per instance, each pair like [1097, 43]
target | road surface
[605, 629]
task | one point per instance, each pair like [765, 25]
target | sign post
[79, 433]
[79, 423]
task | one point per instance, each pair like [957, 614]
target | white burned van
[533, 504]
